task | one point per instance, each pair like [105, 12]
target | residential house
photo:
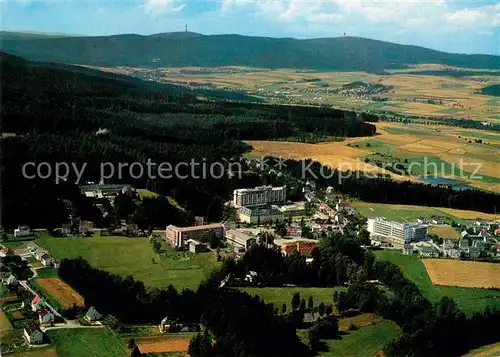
[46, 317]
[39, 253]
[46, 260]
[66, 228]
[11, 281]
[93, 314]
[303, 248]
[4, 251]
[22, 231]
[251, 276]
[33, 334]
[427, 251]
[437, 220]
[32, 247]
[37, 303]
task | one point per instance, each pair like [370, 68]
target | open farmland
[415, 91]
[283, 295]
[463, 273]
[438, 150]
[134, 256]
[409, 213]
[469, 300]
[88, 342]
[61, 291]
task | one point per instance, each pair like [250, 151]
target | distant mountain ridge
[182, 49]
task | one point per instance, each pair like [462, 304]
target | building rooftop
[195, 228]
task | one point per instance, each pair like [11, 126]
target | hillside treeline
[52, 99]
[341, 53]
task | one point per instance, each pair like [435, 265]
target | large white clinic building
[259, 196]
[400, 232]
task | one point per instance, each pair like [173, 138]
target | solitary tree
[296, 300]
[310, 303]
[321, 309]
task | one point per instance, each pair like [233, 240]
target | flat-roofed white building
[297, 209]
[400, 232]
[178, 236]
[240, 239]
[259, 214]
[259, 196]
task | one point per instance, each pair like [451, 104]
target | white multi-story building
[259, 196]
[401, 232]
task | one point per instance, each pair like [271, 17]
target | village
[39, 301]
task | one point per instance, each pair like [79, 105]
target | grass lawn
[89, 342]
[15, 244]
[283, 295]
[134, 256]
[409, 131]
[469, 300]
[4, 291]
[444, 231]
[5, 324]
[408, 213]
[365, 342]
[47, 272]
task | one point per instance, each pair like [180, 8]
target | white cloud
[485, 16]
[159, 7]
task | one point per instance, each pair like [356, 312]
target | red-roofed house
[4, 251]
[46, 317]
[303, 248]
[36, 303]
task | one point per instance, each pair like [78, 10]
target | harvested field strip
[61, 291]
[158, 344]
[462, 273]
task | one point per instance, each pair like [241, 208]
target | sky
[449, 25]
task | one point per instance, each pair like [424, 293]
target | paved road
[24, 283]
[69, 325]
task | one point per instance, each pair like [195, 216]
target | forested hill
[191, 49]
[61, 113]
[52, 98]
